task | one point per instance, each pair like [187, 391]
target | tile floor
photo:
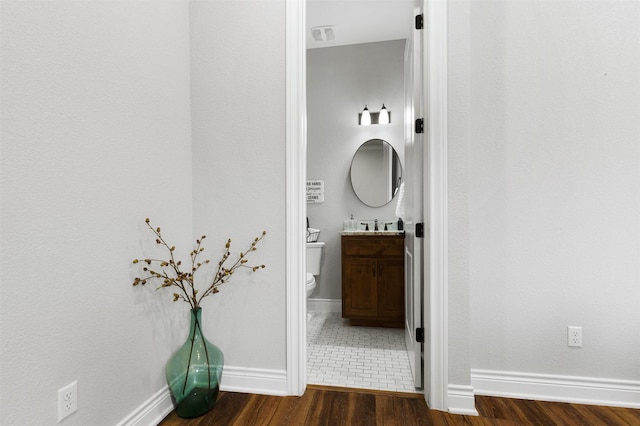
[356, 357]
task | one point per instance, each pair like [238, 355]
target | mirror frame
[366, 172]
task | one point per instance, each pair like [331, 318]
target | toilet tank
[314, 257]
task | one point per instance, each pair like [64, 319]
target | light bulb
[383, 118]
[365, 119]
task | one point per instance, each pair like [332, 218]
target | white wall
[554, 186]
[95, 137]
[238, 86]
[458, 179]
[340, 81]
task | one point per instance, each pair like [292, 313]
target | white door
[413, 203]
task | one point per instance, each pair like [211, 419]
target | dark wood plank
[362, 410]
[294, 410]
[499, 408]
[326, 406]
[319, 410]
[338, 406]
[561, 414]
[569, 414]
[224, 412]
[257, 410]
[536, 412]
[413, 411]
[606, 415]
[387, 412]
[631, 417]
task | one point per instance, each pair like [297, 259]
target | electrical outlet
[67, 400]
[574, 336]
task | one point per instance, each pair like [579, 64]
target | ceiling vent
[323, 33]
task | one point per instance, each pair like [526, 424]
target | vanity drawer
[392, 245]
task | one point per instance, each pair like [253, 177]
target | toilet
[314, 262]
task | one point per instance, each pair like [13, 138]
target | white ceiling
[359, 21]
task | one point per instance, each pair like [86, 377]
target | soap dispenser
[353, 223]
[349, 224]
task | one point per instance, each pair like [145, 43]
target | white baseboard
[461, 400]
[546, 387]
[254, 380]
[152, 411]
[324, 305]
[234, 379]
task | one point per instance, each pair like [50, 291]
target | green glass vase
[194, 372]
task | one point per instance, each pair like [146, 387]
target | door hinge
[420, 335]
[420, 230]
[419, 125]
[419, 21]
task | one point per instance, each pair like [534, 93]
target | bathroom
[341, 81]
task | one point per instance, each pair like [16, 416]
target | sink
[367, 227]
[372, 233]
[391, 225]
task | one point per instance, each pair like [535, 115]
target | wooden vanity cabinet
[373, 280]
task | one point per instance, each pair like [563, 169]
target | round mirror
[376, 172]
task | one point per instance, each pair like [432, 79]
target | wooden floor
[339, 406]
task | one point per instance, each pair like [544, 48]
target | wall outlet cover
[67, 400]
[574, 336]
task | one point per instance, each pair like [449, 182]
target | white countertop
[371, 233]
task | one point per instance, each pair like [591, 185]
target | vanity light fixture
[366, 118]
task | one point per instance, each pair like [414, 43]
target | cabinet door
[391, 288]
[359, 287]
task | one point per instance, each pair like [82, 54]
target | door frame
[296, 205]
[296, 147]
[436, 302]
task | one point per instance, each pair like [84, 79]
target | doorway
[435, 298]
[343, 75]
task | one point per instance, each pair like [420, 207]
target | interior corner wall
[239, 153]
[95, 137]
[340, 82]
[554, 187]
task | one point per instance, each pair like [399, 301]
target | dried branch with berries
[170, 272]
